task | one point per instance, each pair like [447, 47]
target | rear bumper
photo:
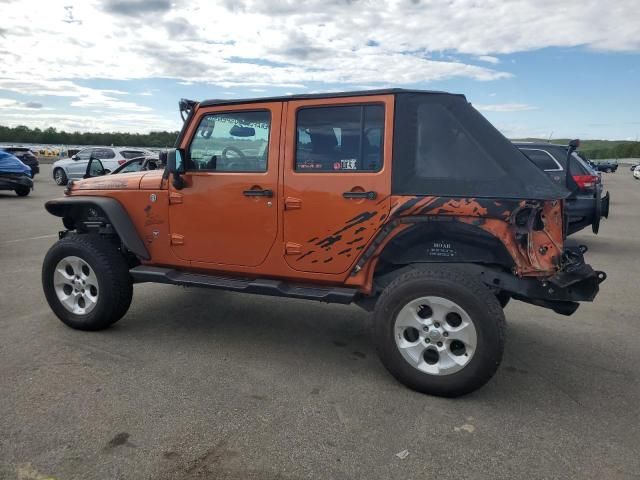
[575, 282]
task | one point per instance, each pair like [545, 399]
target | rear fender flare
[446, 242]
[113, 210]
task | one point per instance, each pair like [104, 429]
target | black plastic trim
[262, 286]
[114, 211]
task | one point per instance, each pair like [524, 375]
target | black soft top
[310, 96]
[443, 146]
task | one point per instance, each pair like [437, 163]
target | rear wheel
[439, 331]
[23, 191]
[86, 282]
[59, 176]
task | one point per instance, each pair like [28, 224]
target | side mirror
[95, 169]
[175, 166]
[74, 157]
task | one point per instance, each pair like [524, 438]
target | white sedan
[636, 173]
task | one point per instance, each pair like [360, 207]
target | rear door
[337, 179]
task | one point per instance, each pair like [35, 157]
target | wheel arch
[438, 242]
[69, 209]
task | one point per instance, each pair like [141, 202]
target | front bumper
[575, 282]
[10, 181]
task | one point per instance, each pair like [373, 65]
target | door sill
[261, 286]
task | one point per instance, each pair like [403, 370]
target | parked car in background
[636, 172]
[14, 175]
[586, 204]
[74, 168]
[605, 165]
[95, 168]
[26, 156]
[138, 164]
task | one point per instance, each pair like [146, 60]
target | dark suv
[586, 204]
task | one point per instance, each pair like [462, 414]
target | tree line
[594, 149]
[23, 134]
[621, 150]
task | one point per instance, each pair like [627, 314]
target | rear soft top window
[443, 146]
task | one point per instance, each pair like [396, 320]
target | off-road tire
[60, 177]
[22, 191]
[456, 285]
[111, 270]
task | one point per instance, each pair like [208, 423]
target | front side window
[231, 142]
[134, 166]
[340, 139]
[84, 154]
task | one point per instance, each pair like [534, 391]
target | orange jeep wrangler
[408, 203]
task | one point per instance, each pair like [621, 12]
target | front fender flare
[113, 210]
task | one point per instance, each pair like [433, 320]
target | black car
[26, 156]
[586, 204]
[604, 165]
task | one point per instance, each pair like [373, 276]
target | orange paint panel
[332, 230]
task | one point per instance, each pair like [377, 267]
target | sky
[534, 68]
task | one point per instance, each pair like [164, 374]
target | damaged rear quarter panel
[535, 252]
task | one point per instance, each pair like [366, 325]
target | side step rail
[262, 286]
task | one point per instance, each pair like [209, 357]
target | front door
[227, 212]
[78, 167]
[337, 180]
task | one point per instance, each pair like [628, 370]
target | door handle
[258, 193]
[367, 195]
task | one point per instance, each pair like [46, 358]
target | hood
[121, 181]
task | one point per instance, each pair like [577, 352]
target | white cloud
[258, 44]
[97, 122]
[9, 104]
[505, 107]
[83, 96]
[488, 59]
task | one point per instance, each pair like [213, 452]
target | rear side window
[340, 139]
[103, 153]
[129, 154]
[542, 159]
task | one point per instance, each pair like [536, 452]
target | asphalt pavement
[204, 384]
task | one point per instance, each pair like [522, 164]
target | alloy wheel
[435, 335]
[76, 285]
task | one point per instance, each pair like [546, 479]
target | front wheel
[86, 282]
[59, 176]
[23, 191]
[439, 331]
